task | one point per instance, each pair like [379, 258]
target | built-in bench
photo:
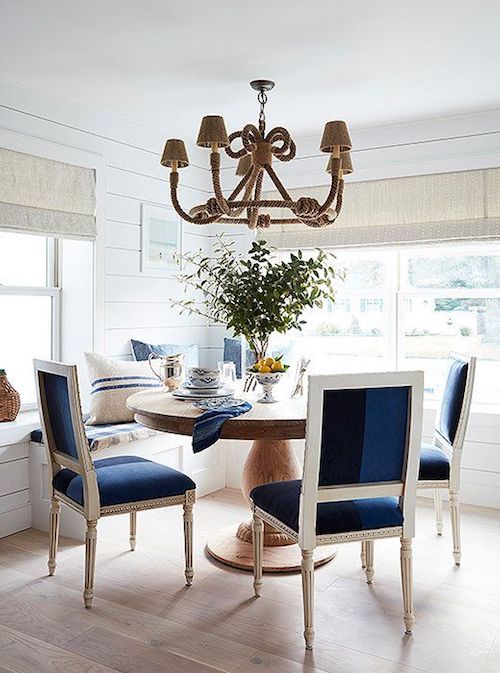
[121, 439]
[105, 436]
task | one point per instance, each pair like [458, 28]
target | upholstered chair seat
[281, 500]
[126, 479]
[434, 464]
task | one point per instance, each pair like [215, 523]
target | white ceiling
[164, 64]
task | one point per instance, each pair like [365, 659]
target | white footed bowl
[267, 381]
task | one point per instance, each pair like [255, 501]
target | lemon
[277, 366]
[265, 369]
[269, 362]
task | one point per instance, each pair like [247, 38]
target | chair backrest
[362, 441]
[62, 426]
[453, 414]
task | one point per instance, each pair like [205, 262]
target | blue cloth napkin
[208, 426]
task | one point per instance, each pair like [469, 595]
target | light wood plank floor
[144, 620]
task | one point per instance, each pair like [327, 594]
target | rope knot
[306, 207]
[212, 207]
[264, 221]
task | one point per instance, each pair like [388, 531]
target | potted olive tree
[257, 293]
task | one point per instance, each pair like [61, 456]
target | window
[407, 309]
[29, 308]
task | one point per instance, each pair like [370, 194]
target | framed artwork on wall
[160, 240]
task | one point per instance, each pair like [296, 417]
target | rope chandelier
[255, 157]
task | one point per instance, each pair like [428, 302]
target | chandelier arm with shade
[255, 157]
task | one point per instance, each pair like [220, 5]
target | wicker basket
[10, 402]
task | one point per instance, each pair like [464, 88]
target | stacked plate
[190, 392]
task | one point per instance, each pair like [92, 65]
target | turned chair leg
[188, 543]
[133, 530]
[362, 555]
[90, 550]
[258, 549]
[438, 507]
[55, 509]
[307, 568]
[407, 584]
[455, 526]
[370, 572]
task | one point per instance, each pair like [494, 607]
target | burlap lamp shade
[212, 131]
[243, 165]
[175, 150]
[345, 164]
[335, 134]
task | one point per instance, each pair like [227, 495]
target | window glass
[23, 260]
[408, 309]
[445, 269]
[349, 334]
[26, 334]
[363, 273]
[435, 326]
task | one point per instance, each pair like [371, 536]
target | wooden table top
[157, 409]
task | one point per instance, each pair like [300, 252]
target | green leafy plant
[256, 294]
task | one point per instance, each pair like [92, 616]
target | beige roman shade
[402, 211]
[46, 197]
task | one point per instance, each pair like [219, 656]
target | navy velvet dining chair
[118, 485]
[359, 479]
[441, 461]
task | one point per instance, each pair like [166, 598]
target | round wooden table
[271, 458]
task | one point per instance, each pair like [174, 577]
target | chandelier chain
[262, 98]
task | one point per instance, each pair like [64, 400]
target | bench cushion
[125, 479]
[104, 436]
[281, 500]
[434, 464]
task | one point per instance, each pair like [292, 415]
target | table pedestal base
[226, 547]
[272, 537]
[269, 460]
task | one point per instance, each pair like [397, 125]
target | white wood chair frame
[454, 452]
[311, 494]
[91, 510]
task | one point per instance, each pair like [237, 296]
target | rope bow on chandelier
[255, 157]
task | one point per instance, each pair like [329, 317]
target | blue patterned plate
[216, 403]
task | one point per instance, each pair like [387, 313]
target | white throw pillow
[112, 381]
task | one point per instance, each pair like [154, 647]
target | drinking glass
[227, 371]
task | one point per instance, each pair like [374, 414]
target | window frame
[51, 289]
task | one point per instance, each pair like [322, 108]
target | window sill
[19, 430]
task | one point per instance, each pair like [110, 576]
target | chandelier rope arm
[252, 177]
[334, 186]
[198, 217]
[253, 211]
[255, 158]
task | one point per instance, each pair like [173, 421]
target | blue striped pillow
[112, 382]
